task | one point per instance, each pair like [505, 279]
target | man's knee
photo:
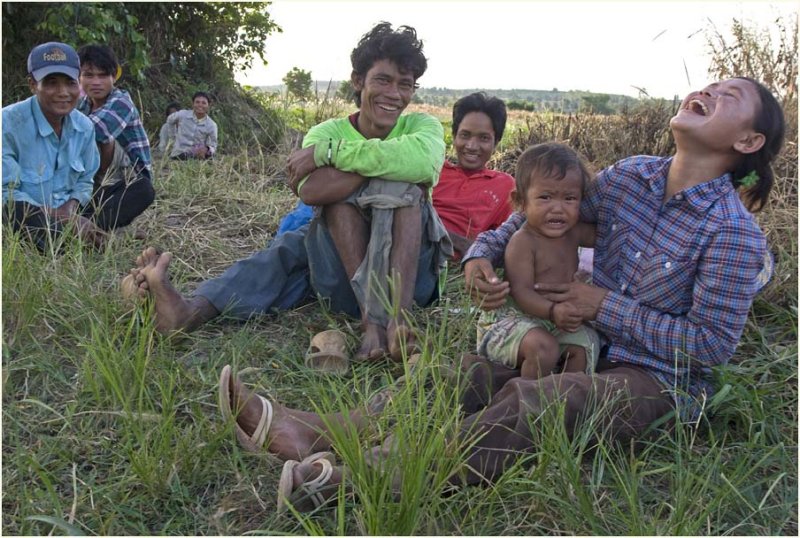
[340, 214]
[572, 387]
[148, 193]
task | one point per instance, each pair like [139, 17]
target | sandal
[327, 353]
[129, 289]
[287, 494]
[251, 443]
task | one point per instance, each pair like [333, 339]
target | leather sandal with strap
[252, 443]
[328, 353]
[289, 493]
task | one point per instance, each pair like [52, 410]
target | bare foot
[401, 340]
[373, 343]
[173, 312]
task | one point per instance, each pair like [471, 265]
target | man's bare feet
[373, 343]
[401, 340]
[173, 312]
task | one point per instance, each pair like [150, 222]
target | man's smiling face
[385, 91]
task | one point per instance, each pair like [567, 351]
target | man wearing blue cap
[49, 153]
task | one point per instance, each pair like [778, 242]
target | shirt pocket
[609, 254]
[35, 175]
[76, 167]
[666, 283]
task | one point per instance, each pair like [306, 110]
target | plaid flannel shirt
[118, 119]
[681, 275]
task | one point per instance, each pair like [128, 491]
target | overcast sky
[600, 46]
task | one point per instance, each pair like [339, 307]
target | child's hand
[567, 317]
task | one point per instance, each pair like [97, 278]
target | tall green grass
[110, 428]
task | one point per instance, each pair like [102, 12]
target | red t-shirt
[471, 202]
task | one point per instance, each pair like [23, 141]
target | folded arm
[414, 157]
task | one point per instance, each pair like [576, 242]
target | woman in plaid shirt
[678, 261]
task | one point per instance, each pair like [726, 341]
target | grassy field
[110, 428]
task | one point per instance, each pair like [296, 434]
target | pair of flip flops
[328, 353]
[311, 491]
[252, 443]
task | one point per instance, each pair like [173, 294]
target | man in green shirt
[369, 176]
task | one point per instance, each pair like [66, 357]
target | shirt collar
[42, 125]
[703, 196]
[700, 197]
[483, 173]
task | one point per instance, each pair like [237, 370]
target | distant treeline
[566, 102]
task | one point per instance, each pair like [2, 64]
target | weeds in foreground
[109, 428]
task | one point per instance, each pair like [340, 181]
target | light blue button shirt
[39, 167]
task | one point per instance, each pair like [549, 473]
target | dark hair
[201, 94]
[171, 105]
[479, 102]
[401, 46]
[550, 160]
[770, 122]
[100, 56]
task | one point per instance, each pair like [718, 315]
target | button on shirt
[191, 132]
[680, 305]
[39, 167]
[118, 120]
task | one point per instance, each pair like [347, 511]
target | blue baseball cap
[53, 57]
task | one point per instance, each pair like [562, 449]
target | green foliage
[566, 102]
[596, 103]
[111, 23]
[298, 83]
[518, 104]
[167, 50]
[111, 429]
[345, 91]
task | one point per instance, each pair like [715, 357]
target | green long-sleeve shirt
[412, 152]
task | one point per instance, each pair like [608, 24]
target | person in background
[49, 152]
[123, 186]
[166, 136]
[469, 197]
[195, 131]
